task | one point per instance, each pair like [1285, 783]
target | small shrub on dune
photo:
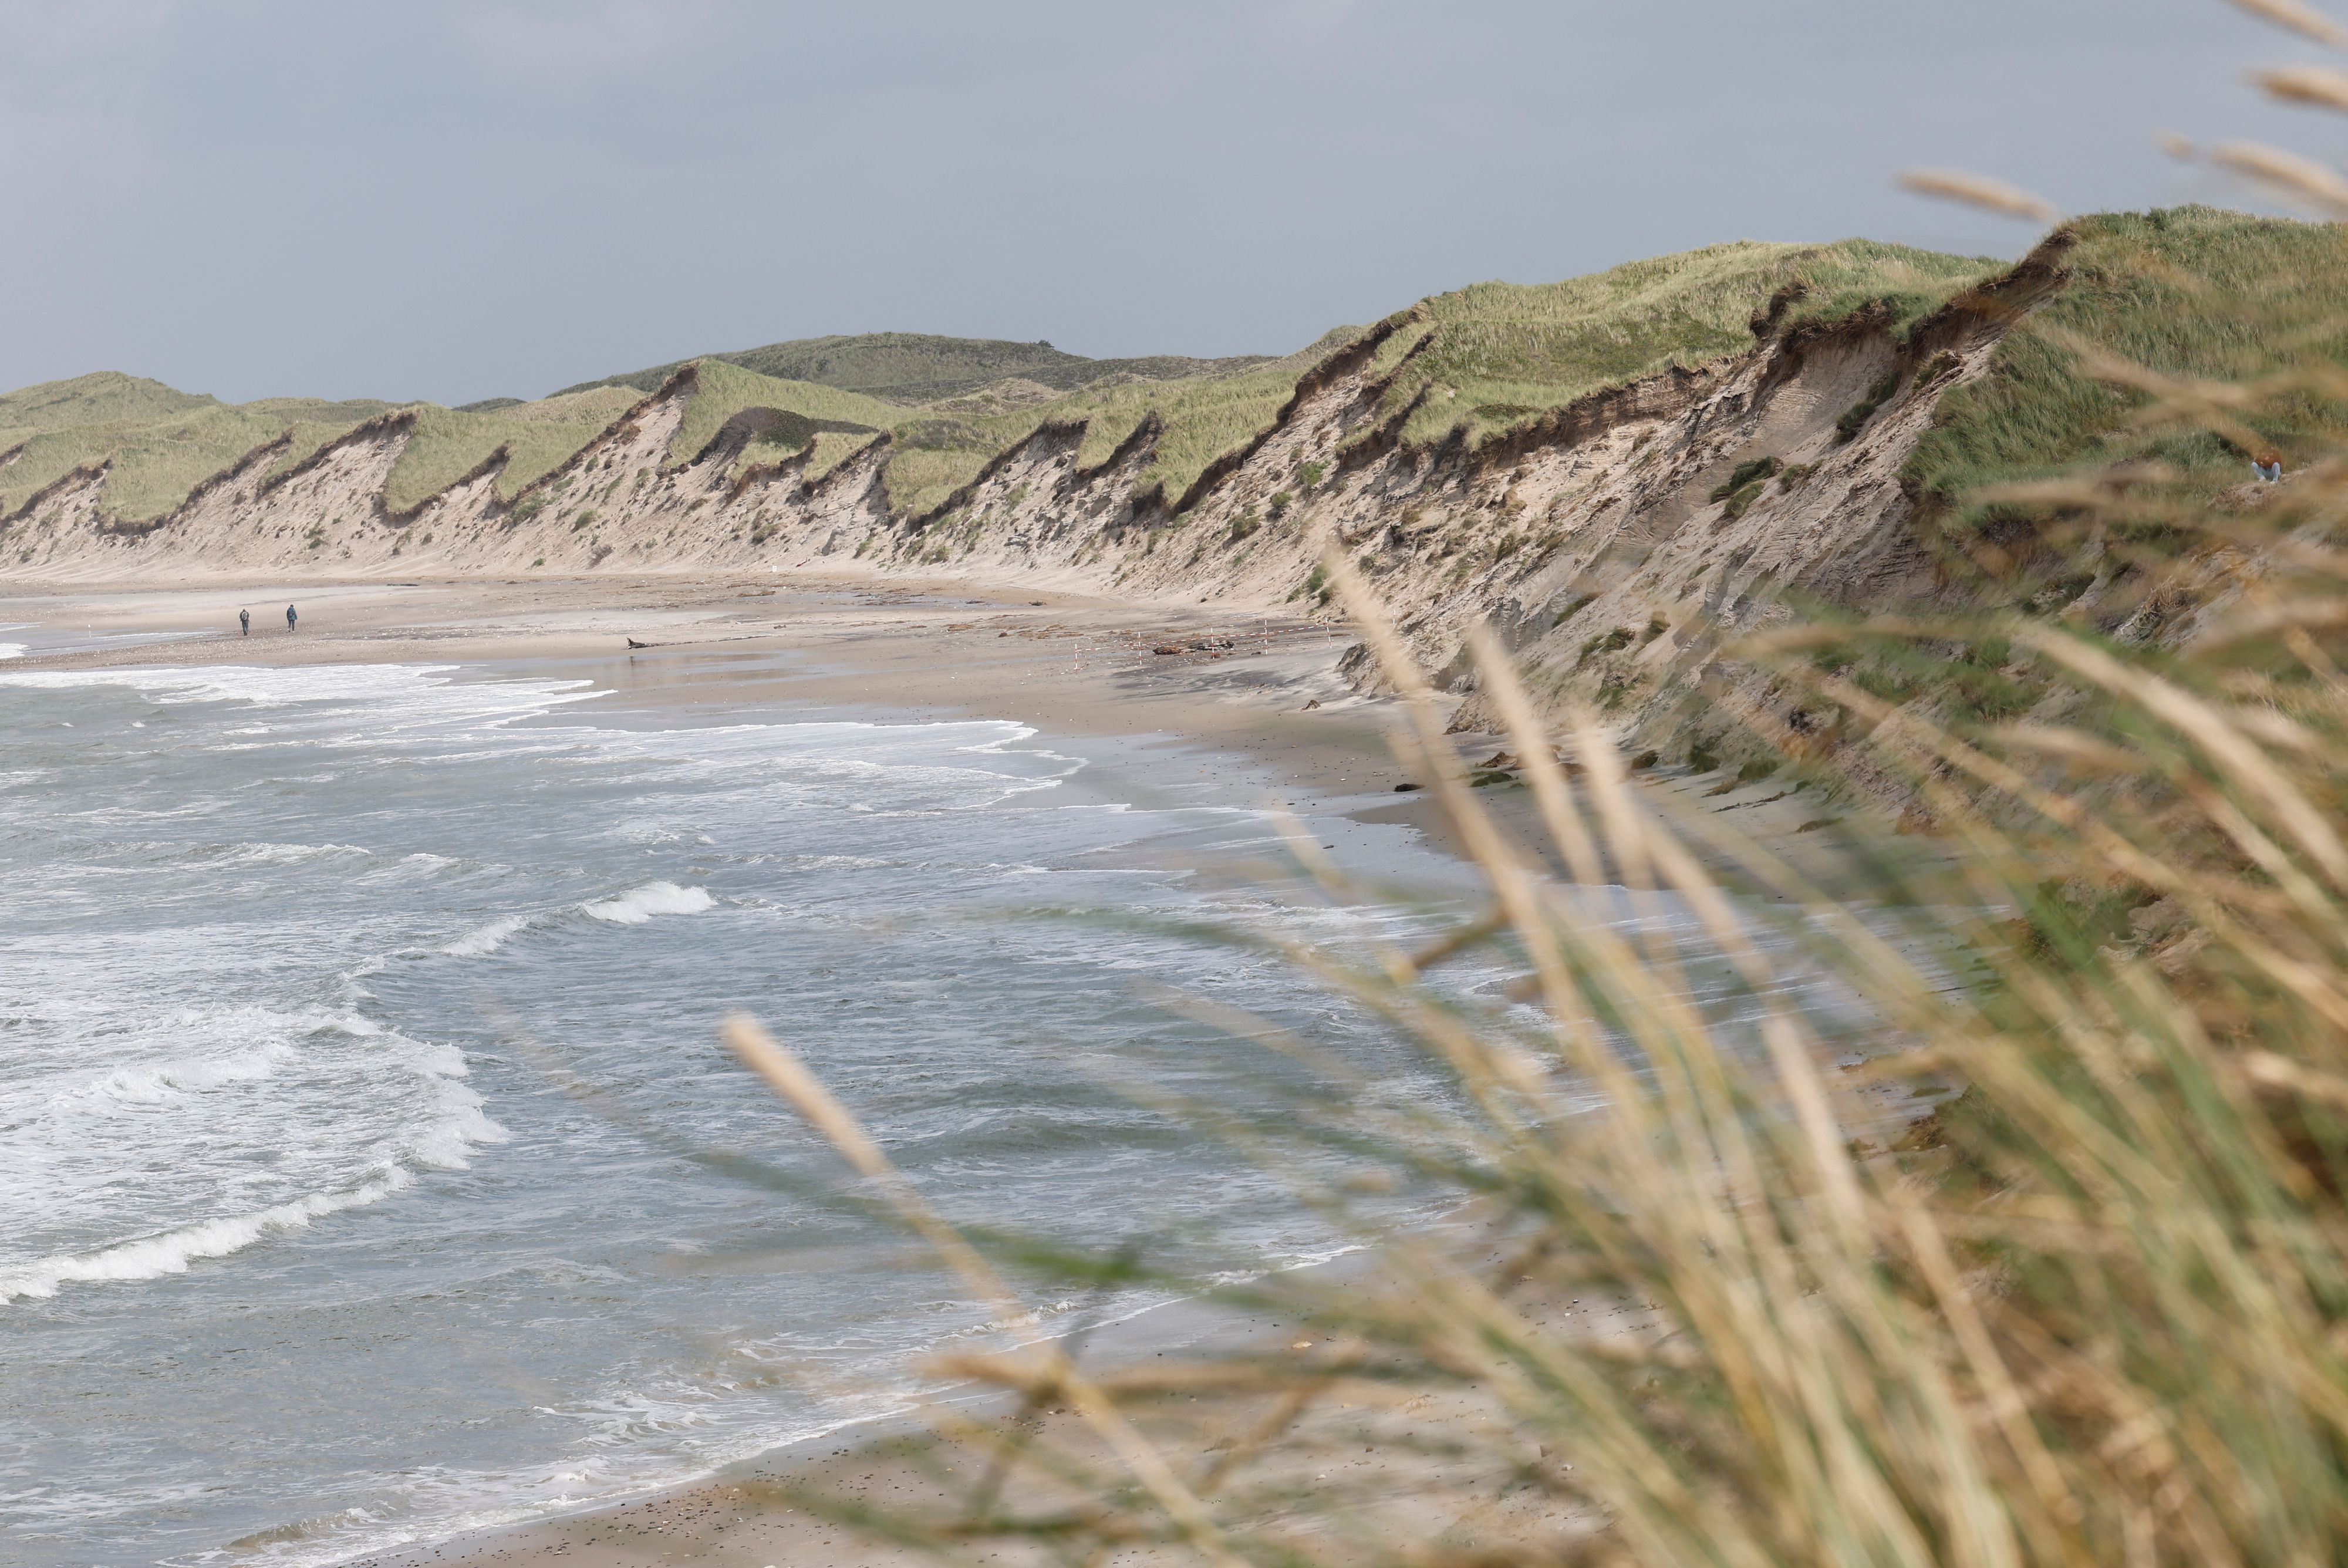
[1855, 418]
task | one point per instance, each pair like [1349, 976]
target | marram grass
[446, 444]
[2092, 1310]
[2096, 1310]
[1495, 354]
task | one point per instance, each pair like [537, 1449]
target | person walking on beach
[289, 617]
[244, 621]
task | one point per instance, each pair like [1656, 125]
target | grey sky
[453, 200]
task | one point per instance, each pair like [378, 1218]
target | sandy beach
[1258, 688]
[1062, 663]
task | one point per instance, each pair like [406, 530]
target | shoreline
[1062, 663]
[1070, 668]
[1255, 686]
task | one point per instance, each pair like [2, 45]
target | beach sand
[1253, 687]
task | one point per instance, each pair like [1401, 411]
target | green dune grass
[925, 368]
[1495, 355]
[832, 448]
[1205, 417]
[448, 443]
[725, 390]
[1477, 361]
[102, 397]
[2191, 293]
[161, 442]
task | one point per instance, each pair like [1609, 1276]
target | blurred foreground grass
[2094, 1309]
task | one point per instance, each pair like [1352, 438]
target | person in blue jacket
[289, 617]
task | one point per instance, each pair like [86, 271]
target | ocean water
[370, 1169]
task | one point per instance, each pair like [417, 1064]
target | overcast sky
[459, 200]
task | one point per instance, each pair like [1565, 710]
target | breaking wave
[170, 1253]
[639, 904]
[487, 939]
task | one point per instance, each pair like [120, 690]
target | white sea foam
[639, 904]
[487, 939]
[206, 1116]
[155, 1083]
[269, 854]
[827, 863]
[12, 650]
[170, 1253]
[389, 698]
[451, 1144]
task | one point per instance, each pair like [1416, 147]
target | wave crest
[487, 939]
[170, 1253]
[639, 904]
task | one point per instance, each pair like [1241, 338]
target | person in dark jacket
[244, 622]
[289, 617]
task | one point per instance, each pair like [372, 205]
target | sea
[371, 1170]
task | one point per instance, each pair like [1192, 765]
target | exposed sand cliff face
[1593, 540]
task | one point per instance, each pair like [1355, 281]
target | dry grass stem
[1979, 190]
[2305, 20]
[2320, 86]
[2287, 175]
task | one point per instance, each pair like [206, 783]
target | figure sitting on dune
[2268, 465]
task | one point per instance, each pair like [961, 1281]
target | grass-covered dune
[161, 442]
[1204, 417]
[924, 367]
[2189, 293]
[538, 437]
[1485, 357]
[1494, 354]
[723, 390]
[1467, 365]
